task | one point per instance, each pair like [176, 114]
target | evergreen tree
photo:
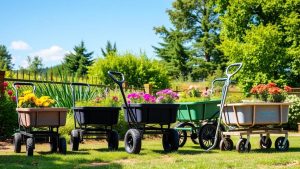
[198, 24]
[109, 49]
[78, 61]
[5, 59]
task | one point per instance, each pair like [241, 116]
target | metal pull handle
[112, 74]
[23, 84]
[238, 65]
[213, 83]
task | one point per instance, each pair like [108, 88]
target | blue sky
[51, 28]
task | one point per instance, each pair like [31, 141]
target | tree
[35, 64]
[109, 49]
[174, 53]
[199, 26]
[78, 61]
[5, 59]
[264, 35]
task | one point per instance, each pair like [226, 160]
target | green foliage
[8, 117]
[192, 43]
[294, 111]
[138, 70]
[78, 61]
[264, 36]
[5, 59]
[35, 64]
[109, 49]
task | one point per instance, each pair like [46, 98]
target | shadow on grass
[273, 150]
[53, 162]
[183, 152]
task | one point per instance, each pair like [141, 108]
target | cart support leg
[285, 138]
[248, 141]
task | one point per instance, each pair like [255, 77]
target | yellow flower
[38, 102]
[46, 104]
[27, 92]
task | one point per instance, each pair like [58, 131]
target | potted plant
[268, 107]
[148, 109]
[38, 112]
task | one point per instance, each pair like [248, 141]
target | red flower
[287, 88]
[271, 84]
[10, 92]
[5, 84]
[13, 98]
[275, 90]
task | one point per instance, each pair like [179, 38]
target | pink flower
[115, 98]
[5, 84]
[13, 98]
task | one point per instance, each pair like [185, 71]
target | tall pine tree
[78, 61]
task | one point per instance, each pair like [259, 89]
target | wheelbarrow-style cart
[39, 123]
[147, 119]
[255, 118]
[94, 122]
[200, 120]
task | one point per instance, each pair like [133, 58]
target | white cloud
[54, 54]
[19, 45]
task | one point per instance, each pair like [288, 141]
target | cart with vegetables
[93, 122]
[147, 119]
[38, 122]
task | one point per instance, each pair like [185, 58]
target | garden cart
[147, 119]
[39, 123]
[200, 120]
[93, 122]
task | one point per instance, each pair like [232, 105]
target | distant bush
[138, 70]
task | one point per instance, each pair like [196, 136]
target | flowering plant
[166, 96]
[141, 98]
[193, 91]
[28, 100]
[8, 90]
[206, 94]
[270, 92]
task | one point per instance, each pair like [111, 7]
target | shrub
[8, 117]
[294, 111]
[138, 70]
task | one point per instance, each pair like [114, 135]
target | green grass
[95, 155]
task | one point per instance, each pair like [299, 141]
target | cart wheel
[182, 137]
[62, 147]
[53, 143]
[133, 141]
[265, 143]
[241, 146]
[226, 144]
[75, 139]
[113, 140]
[17, 142]
[207, 136]
[29, 146]
[170, 140]
[279, 144]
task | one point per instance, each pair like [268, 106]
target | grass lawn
[95, 155]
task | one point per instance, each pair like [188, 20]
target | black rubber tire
[62, 146]
[133, 141]
[265, 143]
[113, 140]
[75, 140]
[170, 140]
[241, 146]
[279, 144]
[182, 134]
[29, 146]
[226, 144]
[207, 136]
[53, 144]
[17, 142]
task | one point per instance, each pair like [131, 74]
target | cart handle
[78, 84]
[22, 84]
[112, 74]
[213, 83]
[238, 65]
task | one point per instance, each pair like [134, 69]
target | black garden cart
[94, 122]
[147, 119]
